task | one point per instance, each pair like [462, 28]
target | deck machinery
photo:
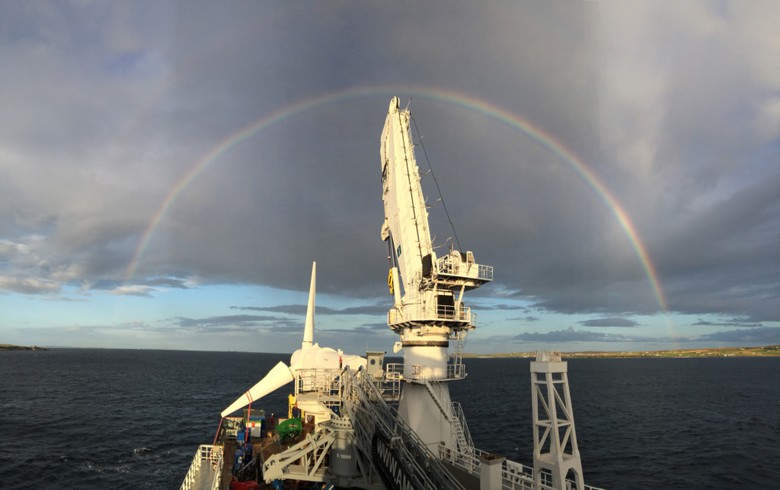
[359, 438]
[428, 310]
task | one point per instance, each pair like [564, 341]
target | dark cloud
[734, 322]
[668, 109]
[320, 310]
[503, 307]
[139, 288]
[527, 319]
[375, 326]
[227, 320]
[168, 282]
[339, 333]
[572, 335]
[609, 322]
[288, 309]
[753, 336]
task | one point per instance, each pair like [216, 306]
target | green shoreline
[763, 351]
[20, 347]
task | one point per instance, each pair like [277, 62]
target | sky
[170, 170]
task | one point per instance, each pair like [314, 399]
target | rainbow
[536, 134]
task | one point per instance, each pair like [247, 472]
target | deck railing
[450, 267]
[426, 373]
[375, 420]
[210, 455]
[324, 381]
[514, 476]
[440, 313]
[464, 435]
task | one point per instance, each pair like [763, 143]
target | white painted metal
[371, 418]
[205, 470]
[406, 219]
[555, 439]
[277, 377]
[514, 475]
[428, 309]
[427, 436]
[308, 329]
[303, 461]
[370, 414]
[309, 356]
[462, 434]
[490, 472]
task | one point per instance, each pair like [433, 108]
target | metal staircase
[437, 400]
[461, 430]
[456, 419]
[399, 457]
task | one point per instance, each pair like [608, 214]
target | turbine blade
[308, 329]
[277, 377]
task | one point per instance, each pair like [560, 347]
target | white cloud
[28, 285]
[133, 290]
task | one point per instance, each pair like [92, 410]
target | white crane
[428, 309]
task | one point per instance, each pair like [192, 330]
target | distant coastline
[20, 347]
[763, 351]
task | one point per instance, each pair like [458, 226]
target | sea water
[94, 419]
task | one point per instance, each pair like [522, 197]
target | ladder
[379, 429]
[461, 430]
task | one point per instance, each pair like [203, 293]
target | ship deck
[262, 449]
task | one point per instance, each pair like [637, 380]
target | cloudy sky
[169, 170]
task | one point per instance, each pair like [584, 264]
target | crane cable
[441, 197]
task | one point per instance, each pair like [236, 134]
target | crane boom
[406, 219]
[432, 287]
[429, 313]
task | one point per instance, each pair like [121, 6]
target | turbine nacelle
[309, 356]
[316, 357]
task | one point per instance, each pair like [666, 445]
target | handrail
[455, 371]
[447, 266]
[371, 415]
[457, 412]
[205, 452]
[514, 475]
[485, 272]
[322, 380]
[433, 312]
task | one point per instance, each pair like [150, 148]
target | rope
[441, 197]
